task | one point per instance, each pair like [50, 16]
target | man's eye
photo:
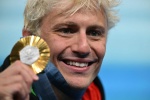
[65, 30]
[95, 32]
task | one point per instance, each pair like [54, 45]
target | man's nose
[81, 46]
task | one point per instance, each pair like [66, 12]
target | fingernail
[36, 77]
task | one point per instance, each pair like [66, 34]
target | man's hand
[16, 81]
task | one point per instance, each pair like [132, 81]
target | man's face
[77, 44]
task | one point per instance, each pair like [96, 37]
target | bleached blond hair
[35, 10]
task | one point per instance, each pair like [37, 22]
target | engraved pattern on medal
[29, 54]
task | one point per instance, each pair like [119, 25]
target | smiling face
[77, 44]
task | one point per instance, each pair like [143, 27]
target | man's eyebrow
[97, 27]
[66, 24]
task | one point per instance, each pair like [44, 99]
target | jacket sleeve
[5, 64]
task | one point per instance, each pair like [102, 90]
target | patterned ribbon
[51, 75]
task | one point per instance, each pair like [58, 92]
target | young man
[76, 33]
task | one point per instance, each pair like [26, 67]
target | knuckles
[18, 62]
[20, 82]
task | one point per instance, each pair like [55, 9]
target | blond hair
[35, 10]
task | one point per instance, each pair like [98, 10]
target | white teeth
[78, 64]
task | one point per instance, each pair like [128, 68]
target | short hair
[35, 10]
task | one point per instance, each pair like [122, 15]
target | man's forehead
[66, 13]
[70, 7]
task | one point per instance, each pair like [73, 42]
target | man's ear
[25, 33]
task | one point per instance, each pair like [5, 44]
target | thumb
[27, 98]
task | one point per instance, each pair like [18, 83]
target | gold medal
[33, 51]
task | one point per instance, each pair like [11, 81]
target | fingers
[16, 91]
[27, 98]
[19, 80]
[16, 81]
[19, 68]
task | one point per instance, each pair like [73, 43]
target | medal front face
[32, 51]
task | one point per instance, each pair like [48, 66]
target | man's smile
[77, 64]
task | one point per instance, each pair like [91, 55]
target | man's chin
[79, 84]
